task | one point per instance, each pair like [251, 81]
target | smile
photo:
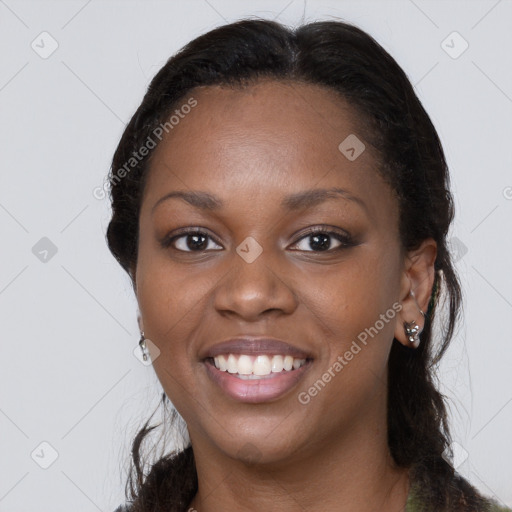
[245, 365]
[256, 378]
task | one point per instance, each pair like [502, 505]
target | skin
[251, 148]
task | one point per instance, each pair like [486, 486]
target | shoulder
[447, 491]
[123, 508]
[495, 507]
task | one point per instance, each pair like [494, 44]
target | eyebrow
[298, 201]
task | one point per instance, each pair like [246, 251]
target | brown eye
[320, 240]
[191, 241]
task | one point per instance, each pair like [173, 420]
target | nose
[250, 290]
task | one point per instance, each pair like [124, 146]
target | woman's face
[269, 156]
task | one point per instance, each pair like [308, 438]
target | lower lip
[256, 390]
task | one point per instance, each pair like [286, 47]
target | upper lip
[255, 345]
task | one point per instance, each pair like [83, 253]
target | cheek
[347, 310]
[171, 303]
[354, 307]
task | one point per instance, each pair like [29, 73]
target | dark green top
[415, 504]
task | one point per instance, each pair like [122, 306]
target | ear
[132, 272]
[140, 322]
[416, 288]
[132, 275]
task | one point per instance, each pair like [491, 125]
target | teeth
[249, 367]
[244, 365]
[261, 366]
[232, 364]
[221, 363]
[277, 364]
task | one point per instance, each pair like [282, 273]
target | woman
[281, 203]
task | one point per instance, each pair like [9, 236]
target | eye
[190, 240]
[320, 239]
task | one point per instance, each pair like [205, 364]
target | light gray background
[68, 330]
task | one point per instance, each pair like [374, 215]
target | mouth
[255, 369]
[245, 366]
[256, 378]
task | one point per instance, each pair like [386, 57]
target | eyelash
[345, 239]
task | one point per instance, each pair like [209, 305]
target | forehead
[268, 139]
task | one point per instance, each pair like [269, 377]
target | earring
[413, 331]
[143, 347]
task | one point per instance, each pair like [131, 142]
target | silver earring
[143, 347]
[412, 331]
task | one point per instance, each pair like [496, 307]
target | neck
[350, 472]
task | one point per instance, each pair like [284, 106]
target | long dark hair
[343, 58]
